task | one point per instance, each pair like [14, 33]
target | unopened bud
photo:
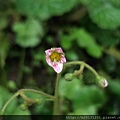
[76, 72]
[11, 84]
[39, 101]
[80, 77]
[68, 76]
[102, 81]
[23, 107]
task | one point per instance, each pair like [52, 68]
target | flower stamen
[55, 56]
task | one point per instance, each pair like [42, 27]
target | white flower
[102, 81]
[55, 58]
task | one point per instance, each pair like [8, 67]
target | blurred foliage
[103, 9]
[87, 30]
[13, 108]
[27, 33]
[83, 40]
[85, 99]
[44, 8]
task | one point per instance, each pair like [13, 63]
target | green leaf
[58, 7]
[85, 40]
[44, 8]
[33, 95]
[67, 89]
[1, 102]
[20, 112]
[29, 27]
[33, 7]
[28, 41]
[83, 98]
[66, 41]
[71, 55]
[94, 50]
[3, 96]
[12, 106]
[89, 96]
[85, 2]
[106, 16]
[91, 110]
[103, 13]
[28, 33]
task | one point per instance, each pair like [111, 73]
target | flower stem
[6, 104]
[83, 64]
[21, 93]
[37, 92]
[56, 96]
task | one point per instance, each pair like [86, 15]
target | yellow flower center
[55, 56]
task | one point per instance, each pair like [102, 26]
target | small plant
[55, 58]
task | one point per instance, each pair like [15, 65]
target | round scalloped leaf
[85, 40]
[58, 7]
[94, 50]
[28, 41]
[44, 8]
[106, 16]
[28, 33]
[29, 27]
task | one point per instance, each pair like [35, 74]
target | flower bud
[12, 85]
[80, 77]
[39, 101]
[68, 76]
[102, 81]
[23, 107]
[76, 72]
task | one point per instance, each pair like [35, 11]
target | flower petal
[63, 59]
[57, 67]
[104, 83]
[48, 52]
[48, 61]
[59, 50]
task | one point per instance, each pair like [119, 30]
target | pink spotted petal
[57, 67]
[63, 59]
[48, 61]
[59, 50]
[48, 52]
[104, 83]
